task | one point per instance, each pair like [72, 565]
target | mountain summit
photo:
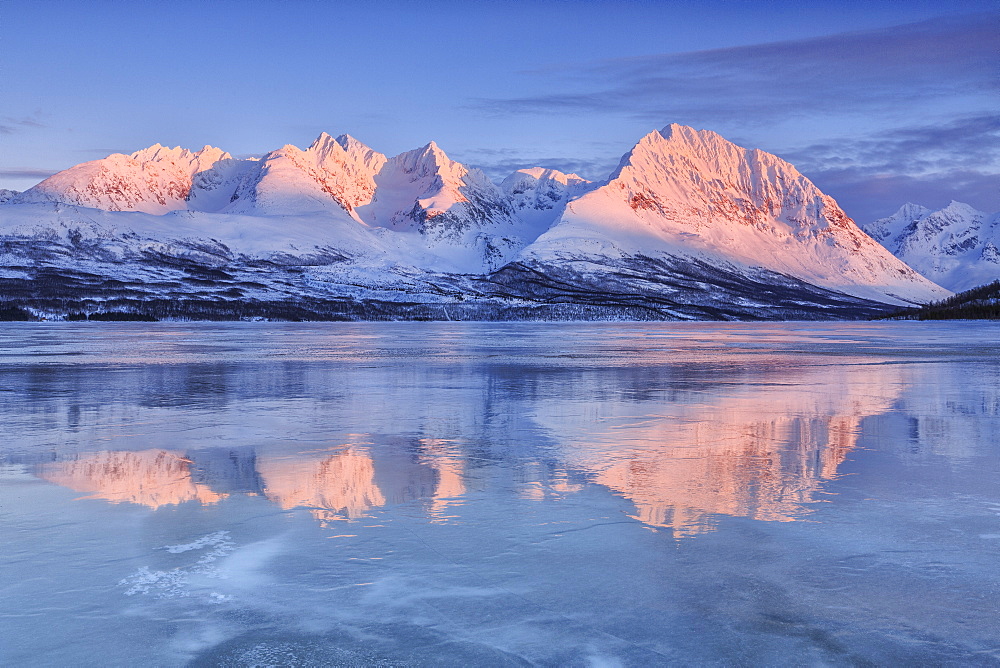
[156, 180]
[957, 247]
[689, 225]
[690, 194]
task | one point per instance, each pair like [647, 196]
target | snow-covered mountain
[154, 180]
[688, 226]
[957, 247]
[691, 195]
[332, 176]
[431, 200]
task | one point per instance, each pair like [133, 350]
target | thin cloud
[27, 173]
[928, 164]
[866, 197]
[12, 125]
[971, 142]
[895, 78]
[860, 72]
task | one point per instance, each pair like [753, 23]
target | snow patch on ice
[176, 582]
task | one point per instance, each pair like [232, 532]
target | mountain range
[689, 226]
[957, 247]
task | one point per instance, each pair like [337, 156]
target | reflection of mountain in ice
[517, 494]
[327, 484]
[152, 478]
[760, 451]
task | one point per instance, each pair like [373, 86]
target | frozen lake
[499, 494]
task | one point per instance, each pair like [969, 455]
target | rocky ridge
[688, 226]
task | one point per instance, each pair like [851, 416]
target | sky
[878, 102]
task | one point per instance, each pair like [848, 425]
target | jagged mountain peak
[687, 217]
[675, 132]
[428, 160]
[683, 172]
[332, 175]
[324, 140]
[541, 188]
[545, 174]
[692, 193]
[955, 246]
[158, 152]
[352, 144]
[909, 210]
[683, 147]
[961, 208]
[156, 179]
[340, 149]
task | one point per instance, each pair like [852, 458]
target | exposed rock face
[688, 226]
[690, 193]
[330, 175]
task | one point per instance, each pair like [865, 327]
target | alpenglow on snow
[689, 226]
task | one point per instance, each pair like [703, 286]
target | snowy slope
[957, 247]
[688, 226]
[437, 203]
[331, 175]
[154, 180]
[688, 193]
[539, 195]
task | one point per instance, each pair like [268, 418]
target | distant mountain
[688, 226]
[957, 247]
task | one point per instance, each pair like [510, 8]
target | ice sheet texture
[499, 494]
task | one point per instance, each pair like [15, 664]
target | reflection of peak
[761, 452]
[152, 478]
[338, 483]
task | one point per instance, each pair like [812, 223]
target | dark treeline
[981, 303]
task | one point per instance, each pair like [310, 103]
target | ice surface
[499, 494]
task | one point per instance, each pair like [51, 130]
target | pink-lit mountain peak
[553, 175]
[707, 161]
[681, 195]
[155, 180]
[329, 175]
[429, 160]
[424, 190]
[692, 193]
[159, 153]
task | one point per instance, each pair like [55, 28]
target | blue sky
[878, 102]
